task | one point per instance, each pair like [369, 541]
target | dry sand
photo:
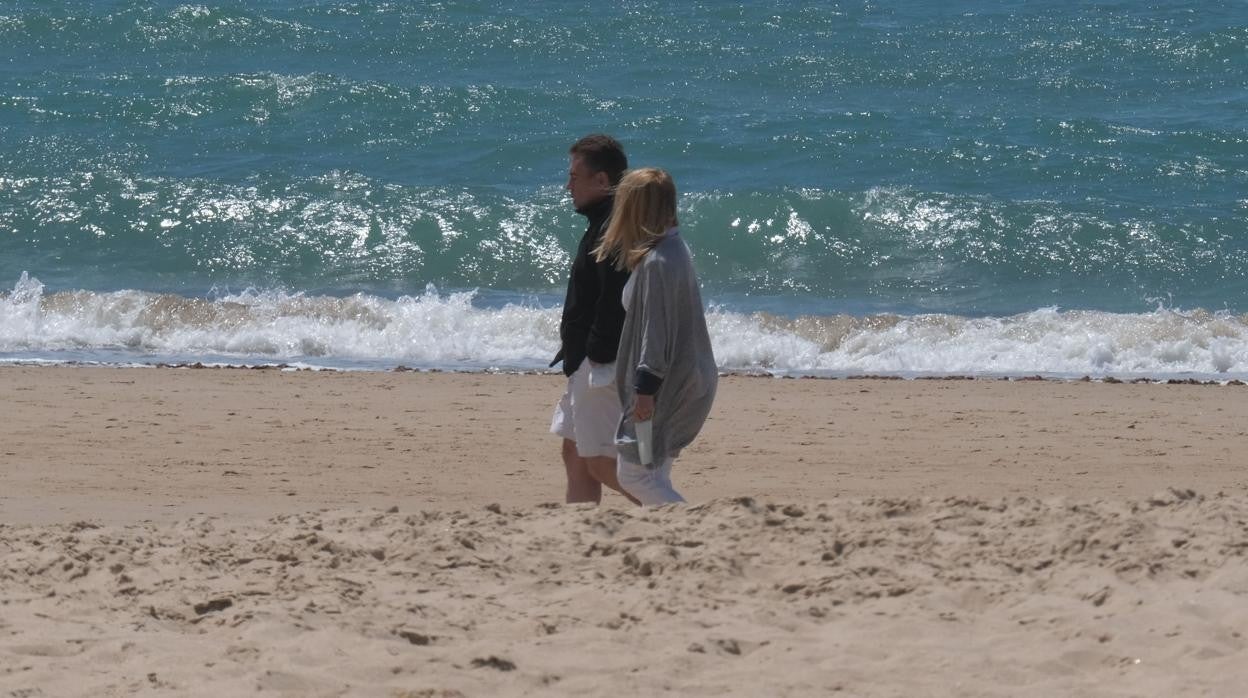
[227, 532]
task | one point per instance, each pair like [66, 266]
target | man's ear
[602, 180]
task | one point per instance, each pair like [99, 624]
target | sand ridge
[872, 597]
[205, 532]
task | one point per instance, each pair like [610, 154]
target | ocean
[906, 188]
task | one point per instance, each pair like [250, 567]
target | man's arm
[604, 333]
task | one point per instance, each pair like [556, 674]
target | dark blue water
[974, 159]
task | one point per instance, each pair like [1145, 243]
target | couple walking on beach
[635, 347]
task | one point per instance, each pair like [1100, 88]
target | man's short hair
[602, 153]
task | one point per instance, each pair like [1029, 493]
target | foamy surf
[460, 331]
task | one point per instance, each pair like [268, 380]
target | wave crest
[459, 331]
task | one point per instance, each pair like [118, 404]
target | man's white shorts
[589, 414]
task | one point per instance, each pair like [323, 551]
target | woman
[665, 371]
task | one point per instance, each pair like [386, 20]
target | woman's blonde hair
[645, 208]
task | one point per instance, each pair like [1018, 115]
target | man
[593, 318]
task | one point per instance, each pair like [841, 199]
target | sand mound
[870, 597]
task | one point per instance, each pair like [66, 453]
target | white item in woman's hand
[645, 436]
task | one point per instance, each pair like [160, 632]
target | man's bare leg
[582, 485]
[602, 468]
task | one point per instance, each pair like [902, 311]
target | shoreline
[1160, 379]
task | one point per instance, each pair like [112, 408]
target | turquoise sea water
[998, 187]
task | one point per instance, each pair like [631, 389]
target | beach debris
[420, 639]
[219, 604]
[1171, 496]
[493, 662]
[1100, 596]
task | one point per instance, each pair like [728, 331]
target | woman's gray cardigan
[665, 334]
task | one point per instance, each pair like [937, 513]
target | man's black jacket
[592, 314]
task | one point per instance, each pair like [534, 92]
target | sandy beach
[219, 532]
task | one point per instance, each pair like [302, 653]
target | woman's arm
[657, 335]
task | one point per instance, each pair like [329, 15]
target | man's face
[585, 186]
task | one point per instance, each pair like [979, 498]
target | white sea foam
[430, 330]
[459, 331]
[1162, 343]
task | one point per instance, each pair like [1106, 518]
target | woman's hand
[643, 408]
